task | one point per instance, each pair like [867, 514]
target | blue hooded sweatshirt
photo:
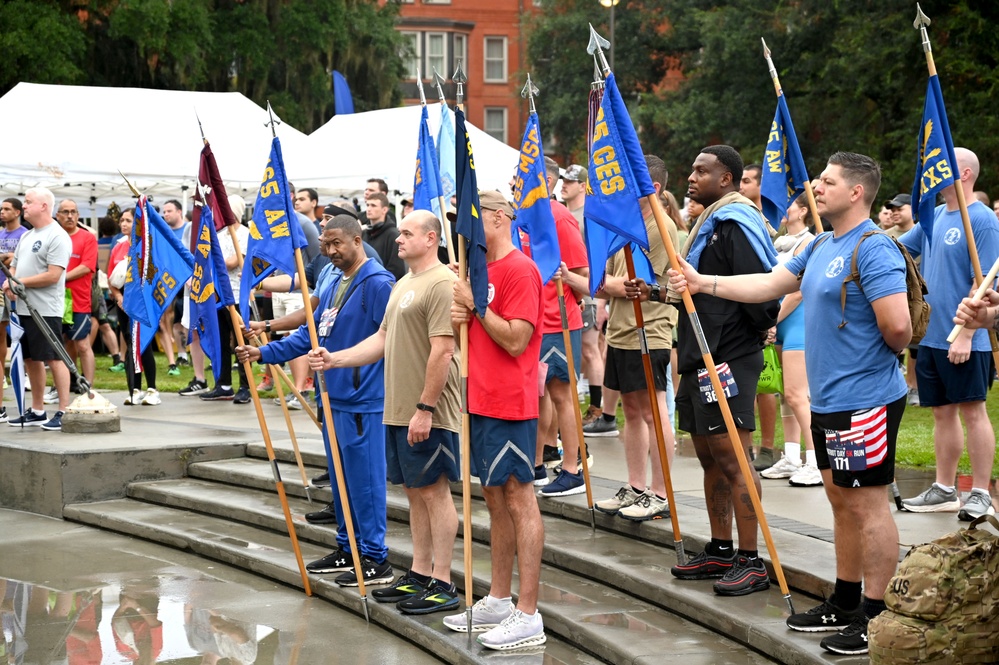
[351, 389]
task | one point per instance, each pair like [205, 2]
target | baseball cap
[406, 198]
[899, 201]
[493, 200]
[334, 210]
[575, 173]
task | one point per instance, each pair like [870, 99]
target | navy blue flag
[935, 159]
[618, 175]
[784, 173]
[530, 198]
[469, 217]
[427, 181]
[158, 267]
[275, 233]
[210, 289]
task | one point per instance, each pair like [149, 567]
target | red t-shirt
[84, 252]
[499, 385]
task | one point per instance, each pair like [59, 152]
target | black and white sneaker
[54, 424]
[405, 587]
[195, 387]
[822, 618]
[218, 394]
[851, 641]
[3, 414]
[29, 419]
[326, 515]
[335, 562]
[374, 573]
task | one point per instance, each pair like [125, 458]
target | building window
[460, 53]
[495, 60]
[436, 54]
[496, 123]
[437, 2]
[412, 58]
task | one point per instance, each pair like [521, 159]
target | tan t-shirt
[418, 309]
[660, 319]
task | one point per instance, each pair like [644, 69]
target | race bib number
[707, 391]
[863, 446]
[326, 321]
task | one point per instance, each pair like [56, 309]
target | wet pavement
[72, 595]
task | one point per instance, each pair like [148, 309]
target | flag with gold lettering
[469, 216]
[210, 288]
[275, 233]
[530, 198]
[935, 159]
[618, 175]
[784, 173]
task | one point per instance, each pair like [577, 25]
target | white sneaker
[784, 468]
[487, 614]
[51, 397]
[517, 630]
[135, 398]
[152, 398]
[625, 497]
[807, 476]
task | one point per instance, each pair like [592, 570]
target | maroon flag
[211, 191]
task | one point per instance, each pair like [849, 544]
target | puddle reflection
[116, 625]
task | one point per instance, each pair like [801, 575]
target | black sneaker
[242, 396]
[29, 419]
[3, 414]
[437, 597]
[405, 587]
[336, 562]
[182, 361]
[851, 641]
[745, 577]
[704, 566]
[54, 424]
[325, 516]
[195, 387]
[822, 618]
[551, 456]
[218, 393]
[322, 480]
[374, 573]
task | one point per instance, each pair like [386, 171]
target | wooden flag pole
[439, 82]
[709, 364]
[291, 430]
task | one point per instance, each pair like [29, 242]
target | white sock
[792, 451]
[810, 458]
[499, 602]
[946, 488]
[37, 412]
[984, 493]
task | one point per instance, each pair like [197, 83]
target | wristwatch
[267, 326]
[654, 292]
[420, 406]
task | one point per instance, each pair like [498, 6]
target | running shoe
[3, 414]
[764, 460]
[784, 468]
[29, 419]
[335, 562]
[437, 597]
[704, 566]
[516, 631]
[54, 424]
[322, 480]
[566, 484]
[487, 613]
[325, 516]
[404, 588]
[601, 427]
[173, 370]
[540, 476]
[265, 385]
[242, 396]
[218, 394]
[579, 462]
[822, 618]
[979, 503]
[182, 361]
[851, 641]
[933, 500]
[625, 497]
[646, 507]
[746, 576]
[374, 573]
[52, 396]
[195, 387]
[152, 397]
[807, 476]
[551, 456]
[117, 367]
[134, 399]
[913, 397]
[592, 413]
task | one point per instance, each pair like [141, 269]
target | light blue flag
[530, 198]
[446, 155]
[784, 174]
[275, 233]
[935, 159]
[426, 181]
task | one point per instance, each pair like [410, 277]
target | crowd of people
[388, 310]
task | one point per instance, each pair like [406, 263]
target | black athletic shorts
[34, 345]
[702, 419]
[624, 370]
[859, 446]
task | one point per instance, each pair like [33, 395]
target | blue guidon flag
[210, 288]
[530, 198]
[427, 180]
[935, 159]
[784, 174]
[469, 216]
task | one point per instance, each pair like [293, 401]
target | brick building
[486, 37]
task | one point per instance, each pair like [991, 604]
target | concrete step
[620, 565]
[798, 545]
[268, 554]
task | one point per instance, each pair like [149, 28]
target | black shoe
[325, 516]
[851, 641]
[704, 566]
[322, 480]
[336, 562]
[745, 577]
[374, 573]
[822, 618]
[182, 361]
[438, 597]
[195, 387]
[551, 456]
[405, 587]
[218, 394]
[242, 396]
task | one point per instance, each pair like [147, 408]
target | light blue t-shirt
[849, 368]
[946, 267]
